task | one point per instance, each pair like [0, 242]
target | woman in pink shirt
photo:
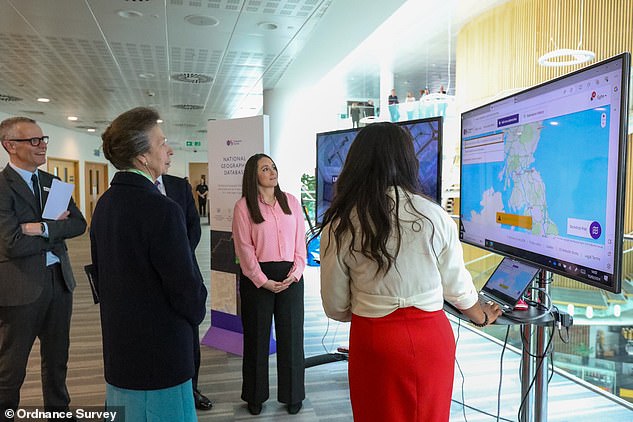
[269, 233]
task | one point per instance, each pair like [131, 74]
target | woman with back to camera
[389, 258]
[269, 238]
[151, 292]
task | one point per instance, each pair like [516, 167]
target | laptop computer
[507, 283]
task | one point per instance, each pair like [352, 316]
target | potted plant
[584, 351]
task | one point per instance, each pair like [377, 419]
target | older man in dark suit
[179, 190]
[36, 279]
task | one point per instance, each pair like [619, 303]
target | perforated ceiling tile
[92, 62]
[6, 98]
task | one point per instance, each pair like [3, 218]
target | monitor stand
[534, 364]
[534, 360]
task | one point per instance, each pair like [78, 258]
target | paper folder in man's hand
[58, 199]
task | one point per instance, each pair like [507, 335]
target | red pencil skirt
[401, 367]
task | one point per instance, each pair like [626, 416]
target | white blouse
[428, 269]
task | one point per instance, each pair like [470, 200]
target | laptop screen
[509, 281]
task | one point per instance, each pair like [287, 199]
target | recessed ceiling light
[73, 118]
[159, 121]
[129, 14]
[146, 75]
[201, 20]
[91, 129]
[44, 100]
[267, 26]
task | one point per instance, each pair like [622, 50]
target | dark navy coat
[152, 294]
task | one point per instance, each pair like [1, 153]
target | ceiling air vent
[192, 78]
[185, 125]
[32, 112]
[9, 98]
[188, 107]
[202, 131]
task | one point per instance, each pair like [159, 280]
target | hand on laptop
[482, 314]
[492, 309]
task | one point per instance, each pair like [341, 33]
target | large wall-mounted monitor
[542, 174]
[332, 148]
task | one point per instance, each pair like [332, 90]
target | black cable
[463, 402]
[327, 329]
[459, 368]
[564, 340]
[538, 368]
[551, 370]
[505, 343]
[526, 349]
[547, 310]
[549, 279]
[483, 412]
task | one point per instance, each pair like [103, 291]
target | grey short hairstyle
[128, 136]
[7, 125]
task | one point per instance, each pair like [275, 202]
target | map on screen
[542, 174]
[508, 281]
[332, 149]
[530, 186]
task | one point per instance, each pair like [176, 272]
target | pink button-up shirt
[280, 237]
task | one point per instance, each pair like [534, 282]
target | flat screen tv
[332, 148]
[543, 170]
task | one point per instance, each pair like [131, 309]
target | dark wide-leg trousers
[258, 307]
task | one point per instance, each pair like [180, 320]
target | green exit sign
[193, 143]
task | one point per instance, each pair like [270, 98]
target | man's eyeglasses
[34, 141]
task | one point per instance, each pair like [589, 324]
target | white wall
[69, 145]
[309, 97]
[80, 146]
[180, 162]
[293, 134]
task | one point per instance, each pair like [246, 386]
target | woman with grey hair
[151, 293]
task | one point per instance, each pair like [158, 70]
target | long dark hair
[382, 156]
[251, 193]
